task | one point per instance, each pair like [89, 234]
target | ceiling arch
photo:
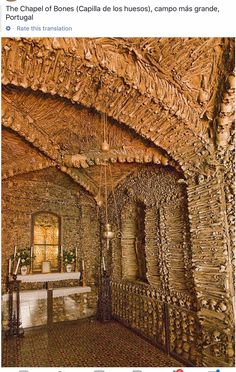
[20, 156]
[128, 83]
[29, 118]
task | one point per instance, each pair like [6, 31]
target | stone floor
[83, 344]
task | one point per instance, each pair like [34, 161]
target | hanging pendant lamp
[105, 147]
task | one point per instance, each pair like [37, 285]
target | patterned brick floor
[83, 344]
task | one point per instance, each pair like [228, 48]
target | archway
[123, 79]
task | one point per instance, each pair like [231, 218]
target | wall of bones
[170, 109]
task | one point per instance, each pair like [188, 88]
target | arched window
[46, 240]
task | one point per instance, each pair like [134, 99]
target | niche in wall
[162, 230]
[133, 242]
[140, 213]
[46, 240]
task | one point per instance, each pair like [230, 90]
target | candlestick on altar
[15, 252]
[31, 259]
[76, 259]
[9, 266]
[17, 267]
[61, 260]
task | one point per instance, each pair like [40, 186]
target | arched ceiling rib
[126, 79]
[20, 157]
[50, 124]
[73, 134]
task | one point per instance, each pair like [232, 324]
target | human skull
[222, 306]
[200, 179]
[216, 336]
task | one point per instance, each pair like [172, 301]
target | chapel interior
[117, 202]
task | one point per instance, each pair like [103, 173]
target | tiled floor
[83, 344]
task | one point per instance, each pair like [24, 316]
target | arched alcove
[153, 211]
[46, 238]
[134, 265]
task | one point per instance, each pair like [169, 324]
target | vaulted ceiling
[74, 135]
[169, 101]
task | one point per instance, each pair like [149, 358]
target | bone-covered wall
[51, 191]
[184, 285]
[170, 112]
[169, 293]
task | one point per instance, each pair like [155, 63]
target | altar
[40, 307]
[49, 277]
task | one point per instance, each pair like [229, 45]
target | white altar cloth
[49, 277]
